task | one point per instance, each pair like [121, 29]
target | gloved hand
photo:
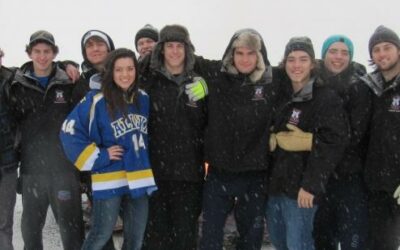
[295, 139]
[396, 194]
[272, 142]
[196, 90]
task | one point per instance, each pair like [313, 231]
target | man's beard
[390, 67]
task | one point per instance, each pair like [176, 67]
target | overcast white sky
[211, 23]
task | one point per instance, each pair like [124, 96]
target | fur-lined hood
[252, 39]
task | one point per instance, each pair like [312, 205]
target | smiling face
[337, 58]
[124, 73]
[386, 56]
[96, 50]
[42, 56]
[245, 60]
[145, 45]
[174, 57]
[298, 66]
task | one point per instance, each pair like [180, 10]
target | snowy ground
[51, 238]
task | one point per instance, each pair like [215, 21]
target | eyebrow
[300, 57]
[331, 49]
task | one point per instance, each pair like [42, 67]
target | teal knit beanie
[337, 38]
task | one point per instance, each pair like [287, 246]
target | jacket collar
[376, 82]
[179, 79]
[267, 77]
[306, 93]
[24, 77]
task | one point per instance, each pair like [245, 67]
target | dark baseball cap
[43, 36]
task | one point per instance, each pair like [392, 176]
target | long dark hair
[116, 98]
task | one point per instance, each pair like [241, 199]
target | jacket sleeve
[331, 135]
[80, 138]
[208, 69]
[19, 101]
[80, 90]
[359, 109]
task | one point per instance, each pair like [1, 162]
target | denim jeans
[104, 215]
[290, 227]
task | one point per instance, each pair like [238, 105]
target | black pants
[63, 194]
[174, 210]
[384, 221]
[220, 192]
[8, 186]
[342, 216]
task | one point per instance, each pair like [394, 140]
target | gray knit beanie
[300, 43]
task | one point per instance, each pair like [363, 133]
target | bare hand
[72, 72]
[115, 152]
[305, 199]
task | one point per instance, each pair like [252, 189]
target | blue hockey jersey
[89, 130]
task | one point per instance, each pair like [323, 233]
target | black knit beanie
[147, 31]
[300, 43]
[383, 34]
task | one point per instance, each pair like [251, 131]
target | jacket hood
[347, 77]
[252, 39]
[23, 76]
[376, 82]
[306, 93]
[56, 72]
[354, 68]
[95, 81]
[86, 65]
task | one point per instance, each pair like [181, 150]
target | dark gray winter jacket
[8, 155]
[382, 170]
[40, 114]
[239, 111]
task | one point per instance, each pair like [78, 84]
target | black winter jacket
[176, 126]
[40, 114]
[82, 85]
[382, 170]
[317, 110]
[8, 156]
[356, 98]
[239, 113]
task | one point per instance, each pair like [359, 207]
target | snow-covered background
[210, 22]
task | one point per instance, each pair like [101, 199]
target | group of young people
[309, 146]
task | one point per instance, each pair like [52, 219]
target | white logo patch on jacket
[395, 107]
[59, 97]
[295, 117]
[258, 93]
